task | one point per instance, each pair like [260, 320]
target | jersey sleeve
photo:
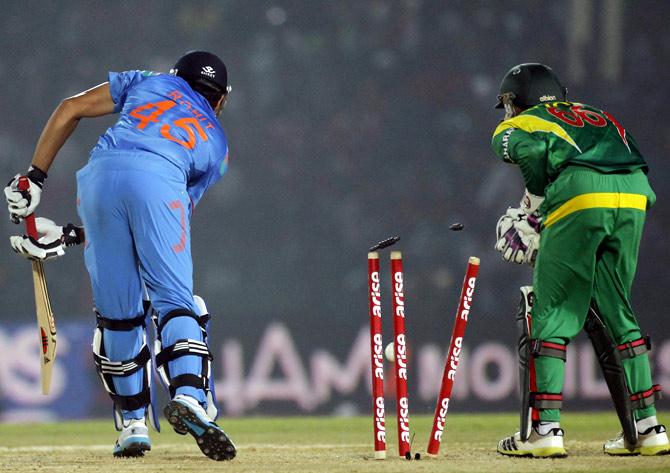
[527, 151]
[121, 82]
[198, 186]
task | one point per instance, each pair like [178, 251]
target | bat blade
[46, 326]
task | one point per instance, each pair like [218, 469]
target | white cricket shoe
[653, 441]
[186, 415]
[549, 445]
[134, 439]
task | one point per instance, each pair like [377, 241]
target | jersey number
[577, 116]
[189, 125]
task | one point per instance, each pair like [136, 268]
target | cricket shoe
[134, 439]
[186, 415]
[653, 441]
[549, 445]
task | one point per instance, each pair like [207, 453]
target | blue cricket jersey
[161, 115]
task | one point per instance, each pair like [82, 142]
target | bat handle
[31, 228]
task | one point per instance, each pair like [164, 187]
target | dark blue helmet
[202, 67]
[530, 84]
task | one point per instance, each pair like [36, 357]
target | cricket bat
[46, 325]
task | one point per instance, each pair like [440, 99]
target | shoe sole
[655, 451]
[644, 451]
[549, 452]
[134, 449]
[211, 439]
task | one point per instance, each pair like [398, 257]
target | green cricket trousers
[592, 228]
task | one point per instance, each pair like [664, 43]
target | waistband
[597, 200]
[115, 160]
[579, 168]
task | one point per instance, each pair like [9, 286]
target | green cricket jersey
[546, 138]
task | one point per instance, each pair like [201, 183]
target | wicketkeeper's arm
[528, 152]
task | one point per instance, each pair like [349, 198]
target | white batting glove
[49, 245]
[23, 203]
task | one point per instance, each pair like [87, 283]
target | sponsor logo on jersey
[208, 71]
[547, 98]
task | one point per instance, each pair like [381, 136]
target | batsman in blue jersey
[135, 198]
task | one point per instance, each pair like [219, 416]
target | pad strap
[634, 347]
[122, 368]
[646, 398]
[188, 380]
[179, 313]
[546, 400]
[125, 325]
[132, 402]
[180, 348]
[183, 347]
[542, 348]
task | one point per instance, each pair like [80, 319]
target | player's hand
[52, 242]
[23, 203]
[529, 224]
[532, 242]
[517, 236]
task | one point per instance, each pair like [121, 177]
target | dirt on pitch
[311, 444]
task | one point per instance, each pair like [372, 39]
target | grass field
[310, 444]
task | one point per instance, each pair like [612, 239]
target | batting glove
[51, 243]
[23, 203]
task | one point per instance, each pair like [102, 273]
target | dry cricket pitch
[311, 444]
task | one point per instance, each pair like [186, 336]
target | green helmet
[530, 84]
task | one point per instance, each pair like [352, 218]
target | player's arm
[525, 150]
[90, 103]
[93, 102]
[517, 231]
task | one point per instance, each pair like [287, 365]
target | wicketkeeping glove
[23, 203]
[51, 243]
[517, 236]
[530, 202]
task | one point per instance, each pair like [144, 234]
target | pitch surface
[308, 444]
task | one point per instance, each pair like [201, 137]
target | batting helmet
[202, 67]
[531, 84]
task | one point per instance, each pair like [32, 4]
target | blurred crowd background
[349, 121]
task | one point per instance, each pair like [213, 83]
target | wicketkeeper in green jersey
[579, 224]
